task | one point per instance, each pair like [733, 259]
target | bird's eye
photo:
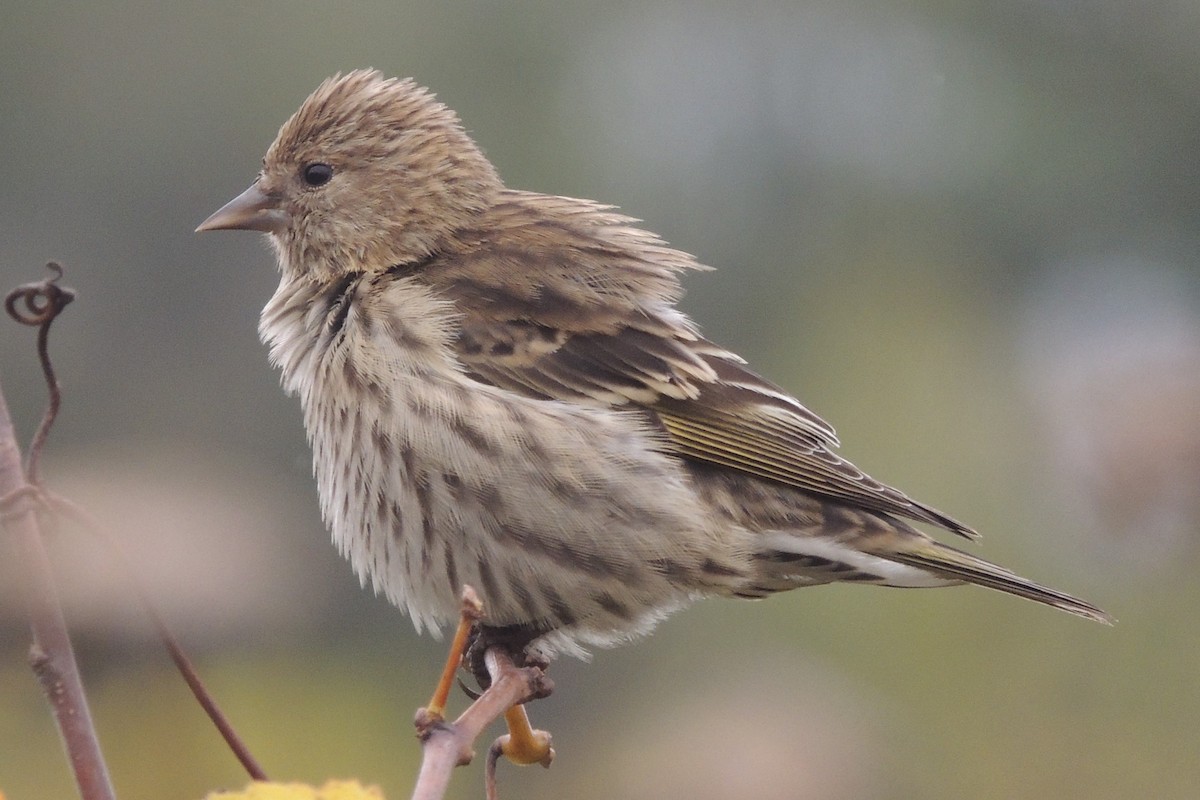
[316, 174]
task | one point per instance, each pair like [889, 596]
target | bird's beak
[252, 210]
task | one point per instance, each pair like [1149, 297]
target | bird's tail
[947, 562]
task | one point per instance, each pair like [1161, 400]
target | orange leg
[472, 609]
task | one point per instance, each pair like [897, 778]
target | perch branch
[446, 745]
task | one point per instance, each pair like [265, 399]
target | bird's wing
[579, 306]
[713, 408]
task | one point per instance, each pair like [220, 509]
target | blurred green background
[964, 232]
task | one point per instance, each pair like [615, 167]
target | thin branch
[184, 664]
[51, 654]
[446, 745]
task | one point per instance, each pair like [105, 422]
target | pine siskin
[499, 390]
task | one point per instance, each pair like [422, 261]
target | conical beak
[252, 210]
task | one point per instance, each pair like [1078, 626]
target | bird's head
[368, 174]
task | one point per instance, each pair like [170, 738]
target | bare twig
[51, 654]
[186, 669]
[446, 745]
[489, 771]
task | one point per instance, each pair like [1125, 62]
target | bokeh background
[967, 233]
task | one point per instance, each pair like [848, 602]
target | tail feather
[948, 562]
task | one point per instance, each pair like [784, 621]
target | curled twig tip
[39, 302]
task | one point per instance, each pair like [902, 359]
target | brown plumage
[500, 390]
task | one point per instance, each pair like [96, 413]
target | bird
[500, 390]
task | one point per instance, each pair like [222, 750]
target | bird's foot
[523, 744]
[506, 667]
[515, 640]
